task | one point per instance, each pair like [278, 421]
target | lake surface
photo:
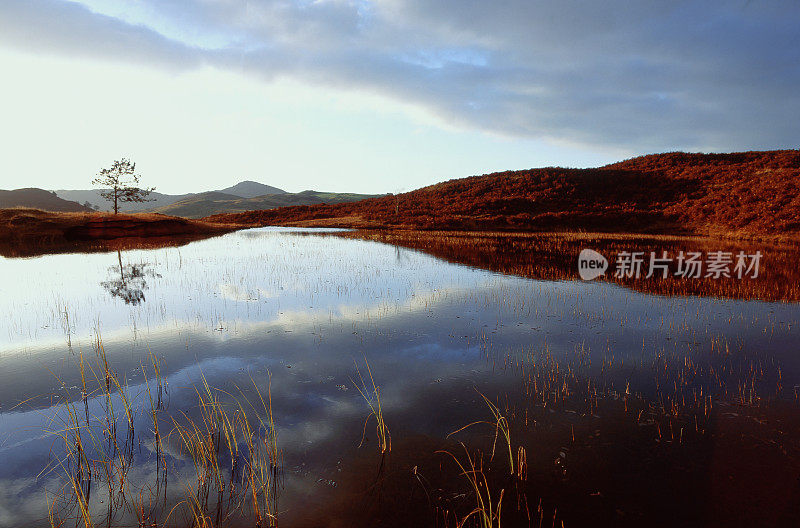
[625, 389]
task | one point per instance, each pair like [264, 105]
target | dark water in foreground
[631, 408]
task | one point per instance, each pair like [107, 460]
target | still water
[302, 315]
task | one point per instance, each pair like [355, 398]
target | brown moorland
[27, 232]
[745, 194]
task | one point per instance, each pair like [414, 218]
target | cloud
[651, 76]
[65, 28]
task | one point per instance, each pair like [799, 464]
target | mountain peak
[251, 189]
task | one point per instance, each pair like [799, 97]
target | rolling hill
[38, 199]
[244, 196]
[210, 203]
[244, 189]
[93, 197]
[746, 193]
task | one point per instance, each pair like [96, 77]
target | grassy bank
[27, 232]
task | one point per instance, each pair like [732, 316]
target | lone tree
[120, 183]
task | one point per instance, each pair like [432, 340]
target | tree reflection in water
[132, 281]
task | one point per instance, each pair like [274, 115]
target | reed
[487, 510]
[231, 442]
[501, 428]
[244, 435]
[372, 395]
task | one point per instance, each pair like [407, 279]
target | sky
[384, 95]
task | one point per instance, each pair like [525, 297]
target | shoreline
[30, 232]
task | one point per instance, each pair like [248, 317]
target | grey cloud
[647, 76]
[57, 27]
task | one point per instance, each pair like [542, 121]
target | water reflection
[132, 281]
[576, 365]
[553, 256]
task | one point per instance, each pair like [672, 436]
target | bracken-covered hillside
[750, 193]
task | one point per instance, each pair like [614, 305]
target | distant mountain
[244, 189]
[251, 189]
[38, 199]
[93, 197]
[205, 204]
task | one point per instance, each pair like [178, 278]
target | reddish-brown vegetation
[744, 194]
[554, 256]
[25, 232]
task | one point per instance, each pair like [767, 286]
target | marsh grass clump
[234, 451]
[488, 507]
[488, 493]
[230, 441]
[501, 428]
[372, 395]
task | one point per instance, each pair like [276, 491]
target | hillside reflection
[554, 257]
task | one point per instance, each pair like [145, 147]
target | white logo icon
[591, 264]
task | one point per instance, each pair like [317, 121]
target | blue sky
[384, 95]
